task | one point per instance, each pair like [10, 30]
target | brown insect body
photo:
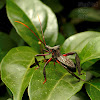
[57, 56]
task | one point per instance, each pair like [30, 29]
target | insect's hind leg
[69, 71]
[76, 59]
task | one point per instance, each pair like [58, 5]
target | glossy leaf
[15, 70]
[91, 50]
[79, 96]
[16, 74]
[93, 89]
[9, 99]
[78, 41]
[85, 13]
[60, 84]
[27, 12]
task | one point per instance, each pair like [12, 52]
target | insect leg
[36, 64]
[70, 53]
[69, 71]
[41, 55]
[76, 59]
[37, 61]
[44, 72]
[54, 63]
[45, 51]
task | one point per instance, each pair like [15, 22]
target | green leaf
[4, 98]
[51, 4]
[2, 3]
[2, 54]
[60, 39]
[14, 36]
[27, 12]
[91, 50]
[78, 41]
[88, 64]
[9, 99]
[6, 43]
[79, 96]
[16, 74]
[86, 13]
[60, 84]
[15, 70]
[68, 29]
[95, 70]
[93, 89]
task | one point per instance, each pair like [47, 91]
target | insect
[62, 59]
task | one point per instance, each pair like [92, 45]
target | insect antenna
[41, 30]
[31, 31]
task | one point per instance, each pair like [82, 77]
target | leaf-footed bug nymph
[62, 59]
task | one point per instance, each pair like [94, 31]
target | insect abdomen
[66, 61]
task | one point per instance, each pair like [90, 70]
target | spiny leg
[69, 71]
[37, 61]
[76, 59]
[44, 72]
[78, 64]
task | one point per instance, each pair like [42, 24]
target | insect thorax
[54, 50]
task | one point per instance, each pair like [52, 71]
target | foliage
[18, 48]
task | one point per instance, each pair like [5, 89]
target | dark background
[68, 6]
